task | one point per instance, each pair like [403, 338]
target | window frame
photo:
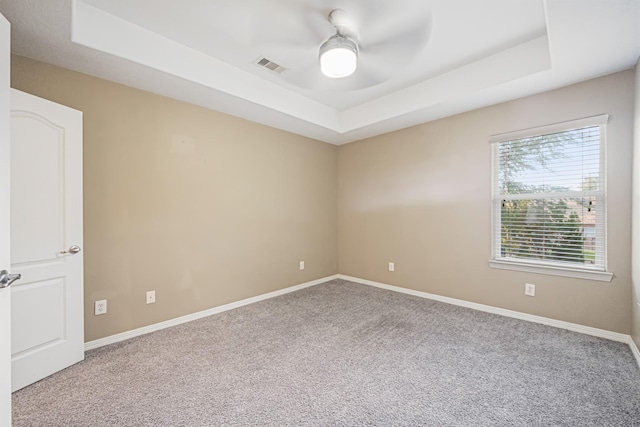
[541, 266]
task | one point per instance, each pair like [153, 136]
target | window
[549, 200]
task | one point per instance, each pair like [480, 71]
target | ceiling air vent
[270, 65]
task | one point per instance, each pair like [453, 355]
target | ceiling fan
[339, 54]
[366, 42]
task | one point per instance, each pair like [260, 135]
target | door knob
[7, 279]
[72, 250]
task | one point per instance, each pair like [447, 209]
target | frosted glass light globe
[338, 57]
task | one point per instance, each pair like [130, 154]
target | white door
[47, 316]
[5, 293]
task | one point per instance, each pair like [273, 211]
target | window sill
[601, 276]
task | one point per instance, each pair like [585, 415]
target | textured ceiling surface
[418, 60]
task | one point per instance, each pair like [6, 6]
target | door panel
[46, 298]
[46, 218]
[37, 229]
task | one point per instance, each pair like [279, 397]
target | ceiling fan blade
[389, 35]
[317, 21]
[394, 23]
[307, 76]
[393, 52]
[372, 71]
[291, 20]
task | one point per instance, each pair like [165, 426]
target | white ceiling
[420, 60]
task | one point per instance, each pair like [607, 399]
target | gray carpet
[347, 354]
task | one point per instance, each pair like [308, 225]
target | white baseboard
[614, 336]
[634, 350]
[189, 317]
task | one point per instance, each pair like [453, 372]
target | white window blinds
[549, 195]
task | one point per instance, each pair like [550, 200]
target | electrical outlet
[530, 289]
[301, 265]
[151, 297]
[100, 307]
[392, 266]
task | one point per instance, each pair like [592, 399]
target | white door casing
[46, 219]
[5, 294]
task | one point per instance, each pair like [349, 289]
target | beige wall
[232, 218]
[635, 260]
[228, 220]
[420, 197]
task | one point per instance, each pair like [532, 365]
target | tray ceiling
[420, 60]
